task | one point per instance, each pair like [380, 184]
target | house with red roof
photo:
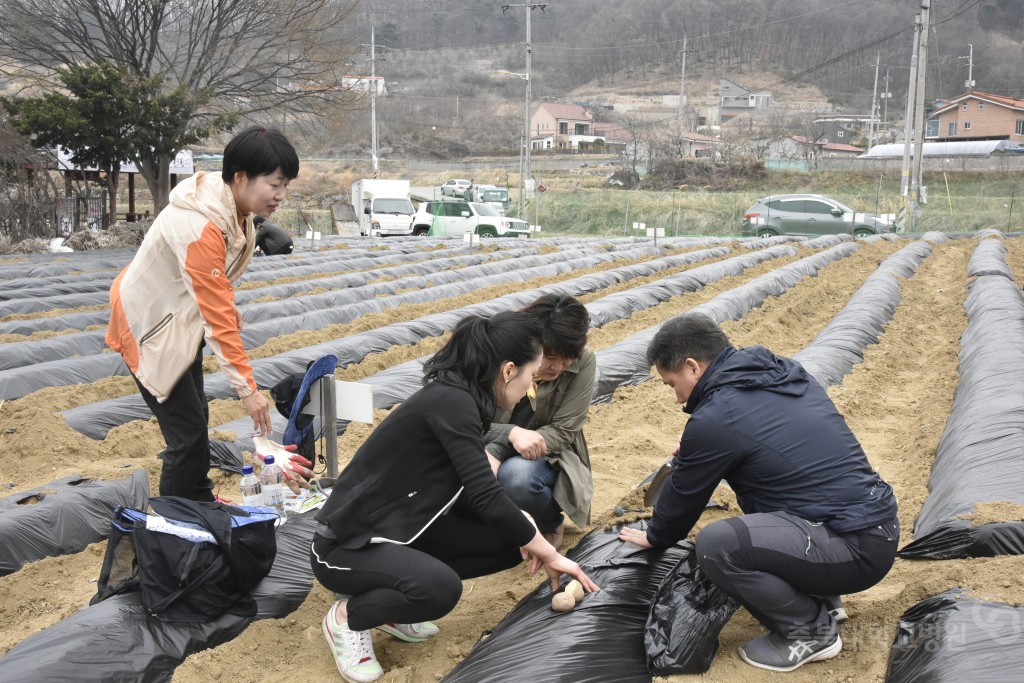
[838, 149]
[554, 125]
[803, 147]
[977, 115]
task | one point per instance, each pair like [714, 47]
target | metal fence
[76, 213]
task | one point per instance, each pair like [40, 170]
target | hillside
[442, 59]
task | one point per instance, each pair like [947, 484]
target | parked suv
[445, 217]
[811, 215]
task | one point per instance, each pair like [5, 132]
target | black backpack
[189, 579]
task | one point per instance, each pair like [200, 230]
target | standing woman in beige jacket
[176, 296]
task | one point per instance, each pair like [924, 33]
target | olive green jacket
[559, 413]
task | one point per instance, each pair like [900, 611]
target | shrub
[699, 174]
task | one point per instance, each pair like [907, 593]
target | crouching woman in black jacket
[418, 509]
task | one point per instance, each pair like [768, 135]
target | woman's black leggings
[407, 584]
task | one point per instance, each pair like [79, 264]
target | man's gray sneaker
[778, 654]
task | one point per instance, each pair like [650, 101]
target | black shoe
[778, 654]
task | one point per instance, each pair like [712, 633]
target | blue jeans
[530, 483]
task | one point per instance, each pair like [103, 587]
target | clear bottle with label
[272, 480]
[252, 490]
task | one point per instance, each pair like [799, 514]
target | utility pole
[885, 97]
[922, 72]
[522, 153]
[373, 105]
[683, 121]
[970, 68]
[909, 121]
[529, 85]
[528, 141]
[874, 102]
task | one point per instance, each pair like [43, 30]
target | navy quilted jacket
[769, 429]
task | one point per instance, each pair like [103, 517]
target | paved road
[423, 193]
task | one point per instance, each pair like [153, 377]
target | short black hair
[257, 151]
[690, 335]
[565, 323]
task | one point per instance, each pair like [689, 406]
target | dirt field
[896, 401]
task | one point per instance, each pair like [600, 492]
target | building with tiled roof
[977, 115]
[555, 125]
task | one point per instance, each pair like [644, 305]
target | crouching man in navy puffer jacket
[819, 521]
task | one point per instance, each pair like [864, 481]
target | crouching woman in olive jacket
[538, 447]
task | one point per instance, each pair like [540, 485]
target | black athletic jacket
[272, 239]
[424, 455]
[769, 429]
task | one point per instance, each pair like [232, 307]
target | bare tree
[638, 143]
[27, 191]
[233, 58]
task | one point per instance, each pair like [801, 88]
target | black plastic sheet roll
[598, 641]
[118, 640]
[63, 517]
[953, 637]
[978, 460]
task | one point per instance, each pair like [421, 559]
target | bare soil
[896, 401]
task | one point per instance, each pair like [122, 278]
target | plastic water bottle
[252, 492]
[272, 479]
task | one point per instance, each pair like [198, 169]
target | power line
[969, 4]
[489, 48]
[814, 68]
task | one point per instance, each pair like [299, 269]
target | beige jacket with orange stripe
[177, 290]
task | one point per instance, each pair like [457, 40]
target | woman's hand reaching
[542, 554]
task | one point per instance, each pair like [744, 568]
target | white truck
[382, 207]
[489, 194]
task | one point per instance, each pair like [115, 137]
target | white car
[454, 218]
[456, 187]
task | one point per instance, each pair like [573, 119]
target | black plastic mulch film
[395, 384]
[95, 419]
[293, 580]
[978, 459]
[954, 637]
[598, 641]
[62, 517]
[118, 640]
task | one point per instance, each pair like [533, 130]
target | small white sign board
[655, 232]
[468, 237]
[310, 235]
[639, 226]
[354, 401]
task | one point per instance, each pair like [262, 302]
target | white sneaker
[411, 633]
[352, 650]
